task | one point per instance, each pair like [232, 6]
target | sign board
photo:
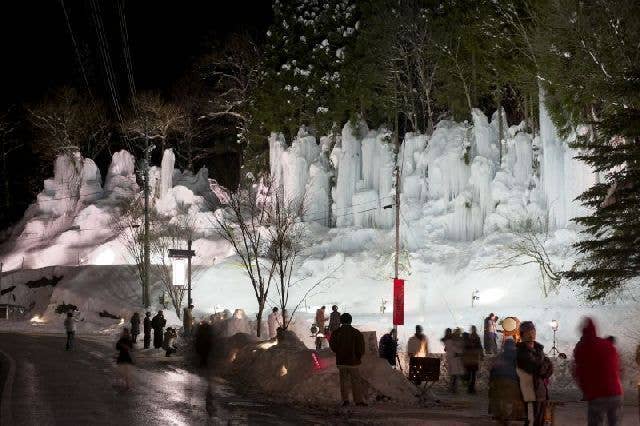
[370, 343]
[181, 254]
[398, 301]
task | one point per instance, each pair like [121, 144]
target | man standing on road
[187, 320]
[157, 323]
[334, 320]
[597, 371]
[135, 327]
[348, 345]
[70, 328]
[147, 330]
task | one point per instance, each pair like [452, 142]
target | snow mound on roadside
[288, 369]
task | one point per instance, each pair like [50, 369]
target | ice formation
[563, 176]
[166, 173]
[121, 177]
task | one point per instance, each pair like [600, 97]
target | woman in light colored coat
[454, 347]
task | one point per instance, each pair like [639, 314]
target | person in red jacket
[597, 372]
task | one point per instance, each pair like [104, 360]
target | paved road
[51, 386]
[42, 384]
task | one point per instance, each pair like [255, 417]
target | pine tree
[592, 76]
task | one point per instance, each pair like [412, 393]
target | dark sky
[164, 37]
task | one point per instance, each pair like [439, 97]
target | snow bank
[286, 368]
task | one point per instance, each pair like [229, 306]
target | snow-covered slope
[465, 205]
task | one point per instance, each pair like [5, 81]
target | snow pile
[72, 220]
[91, 289]
[287, 368]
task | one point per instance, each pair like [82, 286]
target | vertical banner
[398, 301]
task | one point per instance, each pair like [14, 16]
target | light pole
[554, 326]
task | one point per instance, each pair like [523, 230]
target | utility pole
[146, 297]
[397, 171]
[189, 300]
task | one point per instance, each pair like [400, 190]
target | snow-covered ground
[464, 207]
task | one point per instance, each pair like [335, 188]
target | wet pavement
[42, 384]
[51, 386]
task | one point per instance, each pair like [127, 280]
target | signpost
[185, 254]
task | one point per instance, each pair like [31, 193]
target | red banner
[398, 301]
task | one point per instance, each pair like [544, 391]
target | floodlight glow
[179, 272]
[554, 325]
[37, 320]
[491, 295]
[267, 344]
[106, 256]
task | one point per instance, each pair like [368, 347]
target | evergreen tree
[304, 57]
[591, 75]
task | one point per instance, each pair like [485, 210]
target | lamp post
[554, 326]
[185, 254]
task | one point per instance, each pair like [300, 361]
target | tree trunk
[429, 115]
[259, 318]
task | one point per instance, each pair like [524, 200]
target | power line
[127, 53]
[106, 58]
[77, 50]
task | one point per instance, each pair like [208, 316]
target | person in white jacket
[273, 322]
[70, 328]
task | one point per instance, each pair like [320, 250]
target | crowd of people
[519, 372]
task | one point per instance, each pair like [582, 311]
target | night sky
[164, 38]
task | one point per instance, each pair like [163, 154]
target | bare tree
[528, 248]
[243, 223]
[68, 123]
[286, 243]
[154, 119]
[127, 222]
[232, 72]
[173, 236]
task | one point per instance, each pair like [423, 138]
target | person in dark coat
[203, 341]
[505, 400]
[348, 345]
[471, 356]
[388, 347]
[490, 334]
[533, 362]
[147, 330]
[135, 327]
[334, 319]
[124, 360]
[157, 323]
[597, 372]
